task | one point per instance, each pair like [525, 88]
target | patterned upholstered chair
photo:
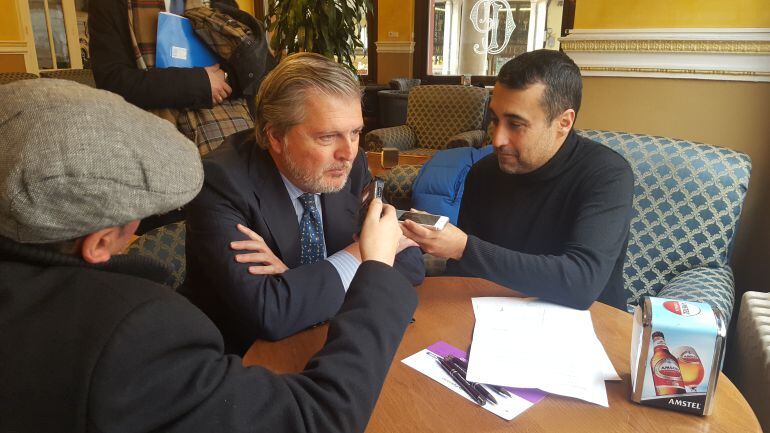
[398, 185]
[82, 76]
[435, 116]
[9, 77]
[165, 244]
[687, 202]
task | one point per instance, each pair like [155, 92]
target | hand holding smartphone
[433, 222]
[373, 190]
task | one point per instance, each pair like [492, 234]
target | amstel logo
[667, 369]
[681, 308]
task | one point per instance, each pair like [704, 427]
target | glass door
[475, 38]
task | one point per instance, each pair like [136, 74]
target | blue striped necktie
[310, 232]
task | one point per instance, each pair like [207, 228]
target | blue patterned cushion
[687, 201]
[165, 244]
[398, 185]
[711, 285]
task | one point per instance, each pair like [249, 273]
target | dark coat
[96, 349]
[114, 65]
[243, 186]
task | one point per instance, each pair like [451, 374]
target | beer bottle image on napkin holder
[677, 350]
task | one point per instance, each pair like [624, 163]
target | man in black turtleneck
[548, 213]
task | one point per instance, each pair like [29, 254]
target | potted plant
[327, 27]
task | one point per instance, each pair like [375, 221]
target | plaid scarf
[143, 28]
[206, 127]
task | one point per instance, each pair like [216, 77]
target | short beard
[310, 182]
[540, 152]
[515, 169]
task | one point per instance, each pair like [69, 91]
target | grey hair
[280, 102]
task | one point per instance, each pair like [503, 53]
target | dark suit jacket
[242, 185]
[106, 349]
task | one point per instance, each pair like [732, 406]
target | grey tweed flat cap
[74, 160]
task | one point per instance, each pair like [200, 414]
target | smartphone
[373, 190]
[434, 222]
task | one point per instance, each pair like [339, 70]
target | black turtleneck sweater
[558, 233]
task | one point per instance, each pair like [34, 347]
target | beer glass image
[665, 369]
[690, 366]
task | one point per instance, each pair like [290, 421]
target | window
[55, 29]
[488, 37]
[361, 59]
[81, 13]
[477, 37]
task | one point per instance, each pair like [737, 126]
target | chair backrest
[687, 202]
[393, 105]
[165, 244]
[436, 113]
[82, 76]
[403, 84]
[9, 77]
[398, 185]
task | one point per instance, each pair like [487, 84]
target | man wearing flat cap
[91, 341]
[270, 238]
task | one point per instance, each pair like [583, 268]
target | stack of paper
[525, 343]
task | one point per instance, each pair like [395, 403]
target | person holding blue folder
[195, 99]
[123, 60]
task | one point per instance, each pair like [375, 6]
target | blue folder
[177, 45]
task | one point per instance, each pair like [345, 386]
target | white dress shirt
[344, 262]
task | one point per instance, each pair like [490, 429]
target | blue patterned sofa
[687, 202]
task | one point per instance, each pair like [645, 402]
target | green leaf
[328, 27]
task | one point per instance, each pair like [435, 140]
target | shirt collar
[293, 190]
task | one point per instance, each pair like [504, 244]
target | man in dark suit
[91, 341]
[270, 248]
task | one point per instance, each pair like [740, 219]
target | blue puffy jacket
[438, 188]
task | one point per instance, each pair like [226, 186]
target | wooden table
[375, 166]
[411, 402]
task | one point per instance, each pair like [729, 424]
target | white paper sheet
[531, 344]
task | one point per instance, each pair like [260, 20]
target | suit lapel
[276, 207]
[339, 216]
